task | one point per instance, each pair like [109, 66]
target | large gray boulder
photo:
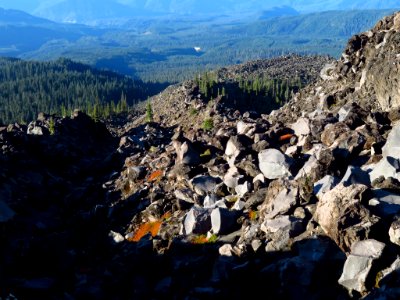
[223, 221]
[392, 146]
[386, 167]
[342, 216]
[327, 183]
[301, 129]
[274, 164]
[204, 184]
[281, 204]
[359, 263]
[197, 221]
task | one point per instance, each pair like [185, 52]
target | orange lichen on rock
[150, 227]
[253, 215]
[200, 239]
[166, 216]
[156, 175]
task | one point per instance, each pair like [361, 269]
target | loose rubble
[302, 203]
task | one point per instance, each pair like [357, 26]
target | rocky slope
[302, 203]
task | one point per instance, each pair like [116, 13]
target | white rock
[239, 205]
[243, 128]
[197, 221]
[231, 149]
[283, 202]
[242, 189]
[386, 167]
[231, 178]
[392, 146]
[223, 221]
[117, 237]
[324, 185]
[359, 263]
[260, 177]
[225, 250]
[274, 164]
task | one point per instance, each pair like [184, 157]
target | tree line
[260, 93]
[59, 87]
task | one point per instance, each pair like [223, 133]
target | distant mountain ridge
[90, 11]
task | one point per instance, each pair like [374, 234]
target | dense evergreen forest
[30, 87]
[260, 92]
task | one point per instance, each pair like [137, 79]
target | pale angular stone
[274, 164]
[394, 232]
[359, 264]
[392, 146]
[325, 185]
[223, 221]
[197, 221]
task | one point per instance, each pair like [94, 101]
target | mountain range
[92, 11]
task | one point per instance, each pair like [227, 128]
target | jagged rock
[325, 185]
[342, 216]
[245, 128]
[295, 275]
[186, 195]
[394, 232]
[332, 132]
[390, 183]
[136, 173]
[249, 167]
[392, 146]
[242, 189]
[281, 204]
[223, 221]
[352, 115]
[385, 203]
[386, 167]
[33, 129]
[179, 172]
[348, 144]
[239, 205]
[186, 153]
[236, 145]
[116, 237]
[301, 129]
[197, 221]
[256, 198]
[359, 265]
[226, 250]
[355, 175]
[274, 164]
[282, 223]
[203, 185]
[232, 177]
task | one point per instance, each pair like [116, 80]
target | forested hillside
[164, 49]
[29, 87]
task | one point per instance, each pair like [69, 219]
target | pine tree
[149, 112]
